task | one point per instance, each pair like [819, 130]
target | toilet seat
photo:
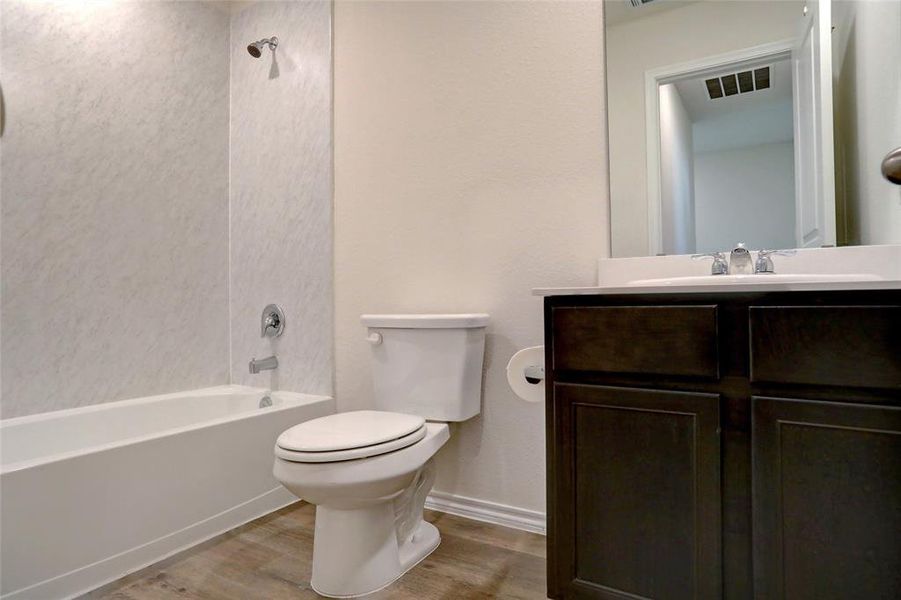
[352, 453]
[349, 436]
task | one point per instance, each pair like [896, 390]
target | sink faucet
[740, 260]
[719, 266]
[264, 364]
[764, 263]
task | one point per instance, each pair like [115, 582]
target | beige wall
[866, 51]
[688, 33]
[677, 186]
[470, 167]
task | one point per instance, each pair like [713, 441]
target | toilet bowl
[369, 472]
[369, 526]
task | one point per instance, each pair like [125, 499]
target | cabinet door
[638, 493]
[826, 500]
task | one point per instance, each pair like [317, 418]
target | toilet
[368, 472]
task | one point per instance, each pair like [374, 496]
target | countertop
[716, 288]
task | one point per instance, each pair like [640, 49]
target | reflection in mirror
[735, 120]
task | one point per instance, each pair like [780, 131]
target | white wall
[676, 174]
[867, 94]
[114, 193]
[667, 38]
[469, 167]
[116, 233]
[281, 193]
[745, 195]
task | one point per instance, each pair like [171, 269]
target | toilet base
[423, 543]
[355, 552]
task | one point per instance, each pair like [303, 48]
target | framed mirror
[755, 121]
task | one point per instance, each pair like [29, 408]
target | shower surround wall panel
[114, 201]
[281, 193]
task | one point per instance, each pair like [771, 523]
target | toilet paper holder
[526, 374]
[534, 374]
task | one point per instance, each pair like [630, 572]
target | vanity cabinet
[733, 445]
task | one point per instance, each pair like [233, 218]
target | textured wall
[470, 167]
[281, 193]
[114, 201]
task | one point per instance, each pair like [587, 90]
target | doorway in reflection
[727, 161]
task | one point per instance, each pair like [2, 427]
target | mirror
[764, 122]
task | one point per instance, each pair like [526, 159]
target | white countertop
[728, 287]
[877, 267]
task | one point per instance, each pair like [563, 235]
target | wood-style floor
[271, 558]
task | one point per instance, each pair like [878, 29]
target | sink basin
[761, 279]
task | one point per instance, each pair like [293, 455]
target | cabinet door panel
[642, 504]
[826, 500]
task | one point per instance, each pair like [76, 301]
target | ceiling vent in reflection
[736, 83]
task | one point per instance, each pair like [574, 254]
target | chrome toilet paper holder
[534, 374]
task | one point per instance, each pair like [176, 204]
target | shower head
[256, 49]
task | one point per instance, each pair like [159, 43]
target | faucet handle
[764, 264]
[272, 321]
[719, 266]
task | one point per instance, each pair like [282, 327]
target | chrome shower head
[256, 49]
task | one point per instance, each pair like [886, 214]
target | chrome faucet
[764, 263]
[740, 260]
[719, 266]
[264, 364]
[272, 322]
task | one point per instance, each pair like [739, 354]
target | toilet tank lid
[435, 321]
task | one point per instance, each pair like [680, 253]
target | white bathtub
[90, 494]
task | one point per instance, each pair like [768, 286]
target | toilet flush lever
[374, 338]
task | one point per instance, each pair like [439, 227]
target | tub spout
[264, 364]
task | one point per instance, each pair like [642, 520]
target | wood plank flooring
[271, 558]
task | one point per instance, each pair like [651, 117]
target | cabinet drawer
[854, 346]
[658, 340]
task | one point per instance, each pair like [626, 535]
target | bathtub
[90, 494]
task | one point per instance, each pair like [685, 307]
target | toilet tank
[428, 365]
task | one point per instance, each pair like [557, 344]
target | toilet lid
[349, 430]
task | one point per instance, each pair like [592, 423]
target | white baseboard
[488, 512]
[90, 577]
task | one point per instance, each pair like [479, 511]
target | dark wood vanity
[724, 445]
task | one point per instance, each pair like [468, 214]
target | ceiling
[231, 6]
[750, 119]
[622, 11]
[700, 106]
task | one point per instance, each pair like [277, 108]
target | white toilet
[369, 472]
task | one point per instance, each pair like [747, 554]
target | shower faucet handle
[272, 322]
